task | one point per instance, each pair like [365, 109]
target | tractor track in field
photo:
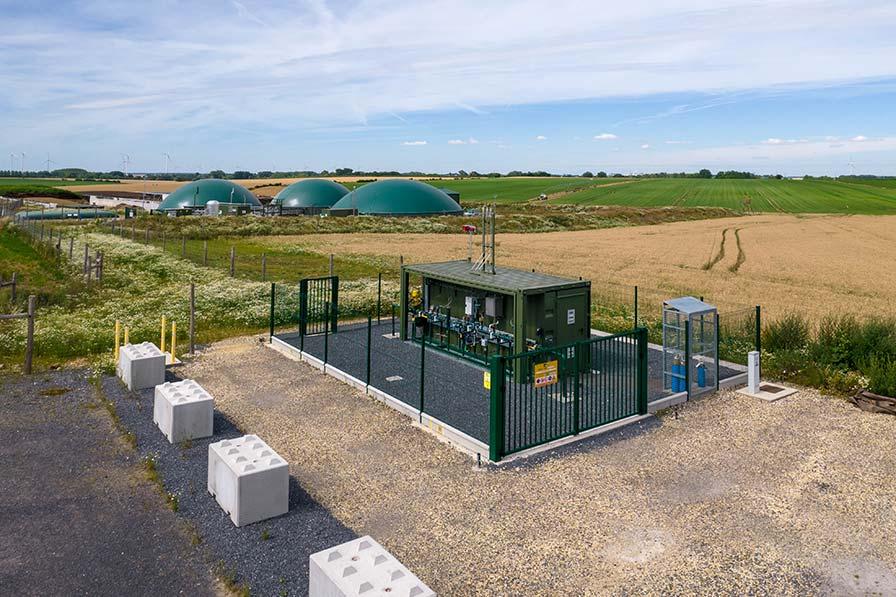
[741, 254]
[720, 254]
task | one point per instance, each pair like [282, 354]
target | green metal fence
[318, 305]
[547, 394]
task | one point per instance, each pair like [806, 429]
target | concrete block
[141, 366]
[183, 410]
[359, 568]
[248, 479]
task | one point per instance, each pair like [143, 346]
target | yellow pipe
[126, 331]
[162, 346]
[117, 338]
[173, 341]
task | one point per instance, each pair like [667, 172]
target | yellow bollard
[162, 346]
[126, 330]
[173, 341]
[117, 337]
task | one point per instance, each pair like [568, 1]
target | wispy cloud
[645, 146]
[414, 143]
[777, 141]
[541, 138]
[859, 138]
[674, 142]
[605, 137]
[470, 141]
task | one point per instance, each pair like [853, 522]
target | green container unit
[479, 314]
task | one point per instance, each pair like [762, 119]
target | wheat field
[812, 264]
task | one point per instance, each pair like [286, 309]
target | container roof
[689, 305]
[399, 197]
[311, 192]
[199, 192]
[504, 280]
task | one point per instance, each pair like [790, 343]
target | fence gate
[318, 305]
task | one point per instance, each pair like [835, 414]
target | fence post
[636, 305]
[29, 345]
[192, 317]
[100, 266]
[369, 326]
[393, 320]
[264, 267]
[759, 329]
[331, 264]
[496, 409]
[14, 281]
[687, 356]
[422, 373]
[575, 388]
[205, 252]
[71, 247]
[232, 260]
[379, 295]
[326, 331]
[642, 370]
[718, 367]
[273, 290]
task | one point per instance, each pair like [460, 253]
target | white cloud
[677, 142]
[472, 140]
[541, 138]
[777, 141]
[457, 142]
[414, 143]
[859, 138]
[605, 137]
[645, 146]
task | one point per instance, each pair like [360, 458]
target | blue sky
[787, 86]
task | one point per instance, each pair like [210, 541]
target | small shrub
[791, 332]
[881, 374]
[836, 339]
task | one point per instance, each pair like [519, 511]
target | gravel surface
[78, 517]
[727, 495]
[270, 556]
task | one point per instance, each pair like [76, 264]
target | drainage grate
[767, 387]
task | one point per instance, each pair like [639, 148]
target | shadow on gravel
[271, 556]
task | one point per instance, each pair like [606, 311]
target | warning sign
[487, 380]
[545, 374]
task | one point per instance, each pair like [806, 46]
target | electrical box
[478, 314]
[494, 306]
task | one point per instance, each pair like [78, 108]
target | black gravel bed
[270, 556]
[453, 391]
[77, 516]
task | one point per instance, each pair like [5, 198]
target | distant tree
[242, 175]
[778, 177]
[588, 174]
[265, 174]
[601, 174]
[474, 173]
[217, 174]
[344, 171]
[704, 173]
[494, 175]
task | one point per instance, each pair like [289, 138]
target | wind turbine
[167, 160]
[852, 166]
[12, 164]
[23, 163]
[49, 161]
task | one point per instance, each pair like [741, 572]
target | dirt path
[77, 516]
[733, 496]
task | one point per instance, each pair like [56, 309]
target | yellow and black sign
[487, 380]
[545, 374]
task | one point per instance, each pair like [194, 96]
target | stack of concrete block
[183, 410]
[141, 366]
[361, 567]
[248, 479]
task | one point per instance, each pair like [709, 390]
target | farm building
[310, 195]
[397, 197]
[196, 196]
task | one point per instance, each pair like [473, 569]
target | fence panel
[548, 394]
[318, 305]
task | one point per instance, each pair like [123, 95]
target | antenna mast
[486, 262]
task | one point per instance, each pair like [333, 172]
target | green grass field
[50, 182]
[512, 190]
[788, 196]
